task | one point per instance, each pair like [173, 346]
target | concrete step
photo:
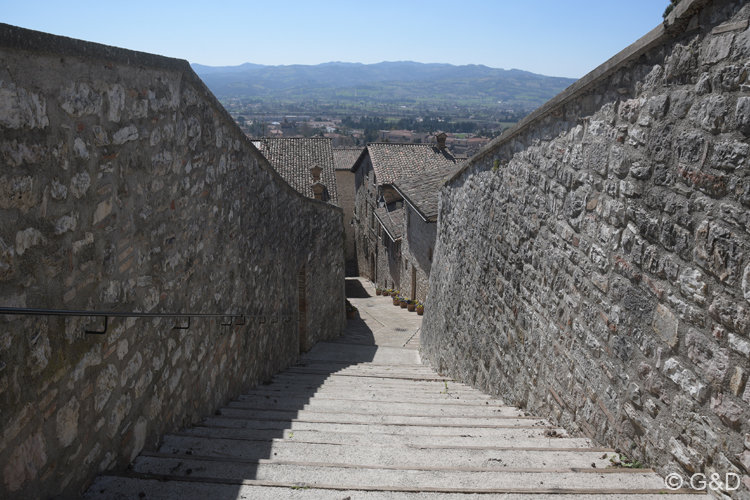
[512, 438]
[290, 450]
[293, 425]
[196, 488]
[338, 406]
[487, 475]
[376, 417]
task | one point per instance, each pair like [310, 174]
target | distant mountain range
[387, 81]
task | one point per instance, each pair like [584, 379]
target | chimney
[318, 190]
[441, 140]
[315, 172]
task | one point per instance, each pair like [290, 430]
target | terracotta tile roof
[344, 158]
[293, 157]
[422, 190]
[393, 161]
[392, 220]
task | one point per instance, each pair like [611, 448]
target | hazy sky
[551, 37]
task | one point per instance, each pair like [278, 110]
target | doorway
[413, 282]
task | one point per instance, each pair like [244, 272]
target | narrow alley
[362, 418]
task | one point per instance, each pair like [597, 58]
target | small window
[429, 253]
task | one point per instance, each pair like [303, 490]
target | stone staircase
[373, 430]
[362, 419]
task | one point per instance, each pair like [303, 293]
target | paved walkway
[360, 418]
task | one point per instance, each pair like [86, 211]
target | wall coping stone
[17, 38]
[674, 25]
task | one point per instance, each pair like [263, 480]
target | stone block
[686, 456]
[711, 358]
[105, 384]
[665, 324]
[739, 345]
[67, 422]
[737, 382]
[728, 412]
[139, 436]
[119, 412]
[718, 251]
[25, 462]
[685, 379]
[709, 113]
[730, 314]
[742, 115]
[28, 238]
[79, 184]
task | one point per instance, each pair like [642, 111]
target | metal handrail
[116, 314]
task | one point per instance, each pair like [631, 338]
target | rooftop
[293, 157]
[393, 161]
[422, 191]
[392, 220]
[344, 158]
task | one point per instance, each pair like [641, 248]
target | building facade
[380, 214]
[344, 159]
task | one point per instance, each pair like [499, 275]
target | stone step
[491, 474]
[196, 488]
[334, 366]
[432, 398]
[415, 380]
[315, 374]
[322, 364]
[338, 406]
[382, 418]
[486, 437]
[290, 450]
[366, 393]
[356, 386]
[371, 372]
[293, 425]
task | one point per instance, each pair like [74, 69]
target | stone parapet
[593, 262]
[126, 186]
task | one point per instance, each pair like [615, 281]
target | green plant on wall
[670, 7]
[496, 165]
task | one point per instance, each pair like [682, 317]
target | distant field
[351, 86]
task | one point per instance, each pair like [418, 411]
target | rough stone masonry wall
[345, 191]
[594, 264]
[126, 186]
[363, 240]
[419, 237]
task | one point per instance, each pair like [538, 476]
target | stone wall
[125, 186]
[345, 188]
[417, 247]
[365, 240]
[592, 264]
